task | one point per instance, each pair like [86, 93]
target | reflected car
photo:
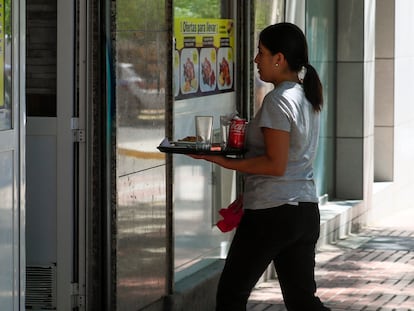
[137, 97]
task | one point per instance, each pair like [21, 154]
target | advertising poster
[203, 57]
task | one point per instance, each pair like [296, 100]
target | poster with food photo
[189, 71]
[208, 62]
[205, 49]
[225, 65]
[176, 73]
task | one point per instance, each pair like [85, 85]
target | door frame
[71, 161]
[19, 125]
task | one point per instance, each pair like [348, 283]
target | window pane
[197, 9]
[266, 13]
[141, 60]
[5, 65]
[320, 32]
[204, 73]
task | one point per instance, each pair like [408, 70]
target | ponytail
[289, 40]
[313, 88]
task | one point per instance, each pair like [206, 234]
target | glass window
[200, 9]
[320, 33]
[5, 65]
[141, 62]
[266, 13]
[204, 63]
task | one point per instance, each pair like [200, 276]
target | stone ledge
[197, 291]
[337, 220]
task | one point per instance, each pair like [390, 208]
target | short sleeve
[275, 114]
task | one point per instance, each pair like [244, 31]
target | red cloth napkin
[231, 215]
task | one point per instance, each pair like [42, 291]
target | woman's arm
[273, 162]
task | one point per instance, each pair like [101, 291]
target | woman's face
[266, 63]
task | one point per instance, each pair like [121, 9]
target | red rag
[231, 215]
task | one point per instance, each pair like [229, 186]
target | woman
[281, 214]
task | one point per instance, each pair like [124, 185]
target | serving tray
[190, 148]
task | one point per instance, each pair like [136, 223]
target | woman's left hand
[273, 162]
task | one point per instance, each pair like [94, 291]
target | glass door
[12, 243]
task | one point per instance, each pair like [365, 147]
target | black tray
[193, 150]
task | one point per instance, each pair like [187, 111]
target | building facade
[94, 217]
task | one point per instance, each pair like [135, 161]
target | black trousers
[286, 235]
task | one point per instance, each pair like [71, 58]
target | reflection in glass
[320, 32]
[197, 196]
[266, 13]
[198, 9]
[141, 62]
[5, 66]
[6, 233]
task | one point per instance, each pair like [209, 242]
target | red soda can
[237, 133]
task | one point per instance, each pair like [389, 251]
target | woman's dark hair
[288, 39]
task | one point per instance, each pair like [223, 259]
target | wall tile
[350, 100]
[324, 177]
[349, 168]
[384, 29]
[384, 92]
[384, 153]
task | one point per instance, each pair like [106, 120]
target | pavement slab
[370, 271]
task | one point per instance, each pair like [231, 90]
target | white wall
[394, 150]
[355, 104]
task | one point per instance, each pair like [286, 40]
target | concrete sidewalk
[372, 270]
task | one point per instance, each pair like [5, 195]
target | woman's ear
[278, 58]
[281, 60]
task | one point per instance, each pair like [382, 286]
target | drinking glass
[204, 129]
[224, 130]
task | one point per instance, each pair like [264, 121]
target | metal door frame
[19, 104]
[14, 140]
[71, 101]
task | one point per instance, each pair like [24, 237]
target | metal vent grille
[41, 287]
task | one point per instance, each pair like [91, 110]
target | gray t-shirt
[284, 108]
